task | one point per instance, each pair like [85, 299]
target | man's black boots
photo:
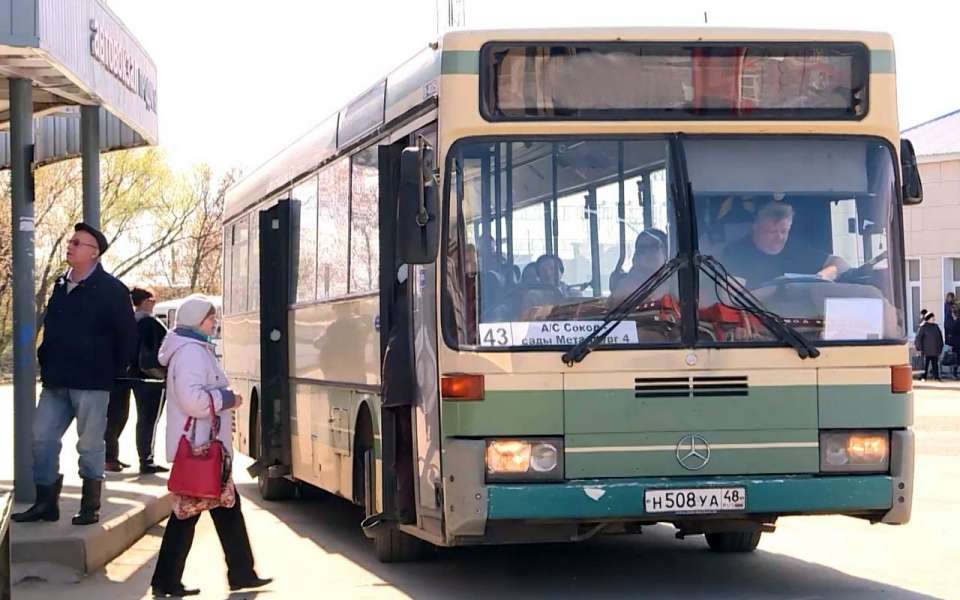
[46, 507]
[89, 503]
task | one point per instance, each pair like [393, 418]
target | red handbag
[198, 470]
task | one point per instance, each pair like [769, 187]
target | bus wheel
[390, 544]
[393, 545]
[275, 488]
[734, 541]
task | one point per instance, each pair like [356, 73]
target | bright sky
[239, 79]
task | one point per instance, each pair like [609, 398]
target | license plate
[695, 500]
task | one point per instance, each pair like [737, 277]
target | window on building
[364, 222]
[238, 279]
[951, 275]
[333, 203]
[305, 211]
[913, 294]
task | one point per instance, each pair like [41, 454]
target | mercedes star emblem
[693, 452]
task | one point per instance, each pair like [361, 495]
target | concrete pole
[24, 304]
[90, 163]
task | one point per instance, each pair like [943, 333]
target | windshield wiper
[619, 312]
[745, 300]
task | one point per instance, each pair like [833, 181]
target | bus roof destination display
[598, 81]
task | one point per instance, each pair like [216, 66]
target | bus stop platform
[131, 504]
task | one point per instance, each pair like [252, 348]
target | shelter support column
[24, 303]
[90, 163]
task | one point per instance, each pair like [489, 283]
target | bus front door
[271, 430]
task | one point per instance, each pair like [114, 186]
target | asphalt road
[314, 549]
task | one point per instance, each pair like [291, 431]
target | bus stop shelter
[73, 82]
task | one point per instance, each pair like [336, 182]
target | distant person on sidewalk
[929, 342]
[89, 334]
[195, 381]
[953, 340]
[146, 380]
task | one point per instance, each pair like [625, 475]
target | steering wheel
[857, 274]
[784, 279]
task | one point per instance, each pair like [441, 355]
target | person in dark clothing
[118, 411]
[952, 335]
[146, 381]
[929, 342]
[948, 311]
[399, 391]
[765, 254]
[89, 335]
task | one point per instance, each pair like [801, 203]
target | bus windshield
[546, 236]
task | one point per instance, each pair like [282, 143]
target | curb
[86, 549]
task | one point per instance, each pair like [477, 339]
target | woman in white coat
[194, 381]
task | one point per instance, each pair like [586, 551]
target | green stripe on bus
[625, 497]
[864, 406]
[766, 407]
[882, 61]
[506, 413]
[655, 454]
[460, 62]
[609, 412]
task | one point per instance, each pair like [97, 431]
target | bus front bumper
[624, 498]
[470, 502]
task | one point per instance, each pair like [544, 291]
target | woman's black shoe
[150, 469]
[249, 584]
[176, 592]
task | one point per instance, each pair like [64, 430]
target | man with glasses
[89, 335]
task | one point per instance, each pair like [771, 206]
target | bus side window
[364, 222]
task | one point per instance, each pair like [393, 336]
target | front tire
[275, 488]
[734, 541]
[390, 544]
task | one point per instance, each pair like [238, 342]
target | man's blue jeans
[56, 409]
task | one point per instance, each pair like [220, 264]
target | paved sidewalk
[946, 384]
[61, 551]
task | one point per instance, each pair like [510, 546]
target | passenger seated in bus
[529, 277]
[650, 253]
[764, 255]
[550, 273]
[540, 286]
[492, 262]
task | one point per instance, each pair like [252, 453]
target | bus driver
[764, 255]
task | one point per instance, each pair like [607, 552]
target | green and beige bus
[539, 285]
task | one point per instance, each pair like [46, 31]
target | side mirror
[418, 215]
[912, 186]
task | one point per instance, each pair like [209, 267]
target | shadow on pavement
[652, 564]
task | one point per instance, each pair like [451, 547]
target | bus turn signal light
[462, 387]
[901, 379]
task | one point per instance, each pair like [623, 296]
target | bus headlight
[519, 459]
[854, 451]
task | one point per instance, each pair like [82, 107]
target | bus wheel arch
[390, 544]
[362, 442]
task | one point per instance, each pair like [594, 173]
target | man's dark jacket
[89, 334]
[929, 340]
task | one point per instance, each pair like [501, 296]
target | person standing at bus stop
[146, 380]
[929, 342]
[89, 335]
